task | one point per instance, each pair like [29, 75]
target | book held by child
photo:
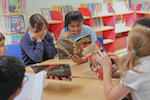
[95, 66]
[67, 47]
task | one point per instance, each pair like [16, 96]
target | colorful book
[46, 14]
[55, 71]
[67, 47]
[54, 39]
[13, 6]
[95, 66]
[33, 87]
[14, 24]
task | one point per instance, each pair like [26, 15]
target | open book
[33, 88]
[55, 71]
[67, 47]
[95, 66]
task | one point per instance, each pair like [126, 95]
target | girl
[74, 28]
[37, 44]
[134, 67]
[3, 47]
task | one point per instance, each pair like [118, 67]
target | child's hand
[36, 37]
[114, 57]
[103, 59]
[77, 59]
[66, 34]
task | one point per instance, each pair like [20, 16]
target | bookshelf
[56, 24]
[121, 31]
[12, 18]
[108, 31]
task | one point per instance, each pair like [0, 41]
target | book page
[39, 85]
[26, 92]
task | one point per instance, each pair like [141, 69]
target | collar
[30, 36]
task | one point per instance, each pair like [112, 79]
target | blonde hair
[139, 40]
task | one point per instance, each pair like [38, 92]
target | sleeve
[131, 80]
[62, 31]
[34, 52]
[49, 46]
[93, 35]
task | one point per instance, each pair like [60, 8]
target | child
[3, 47]
[134, 67]
[37, 44]
[74, 28]
[11, 77]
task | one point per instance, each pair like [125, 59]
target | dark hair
[1, 36]
[144, 21]
[11, 75]
[72, 16]
[37, 21]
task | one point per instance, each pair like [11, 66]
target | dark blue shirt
[36, 52]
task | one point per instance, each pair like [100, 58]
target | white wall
[135, 2]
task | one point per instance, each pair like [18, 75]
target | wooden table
[86, 87]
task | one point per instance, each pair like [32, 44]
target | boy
[11, 77]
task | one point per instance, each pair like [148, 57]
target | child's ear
[17, 91]
[30, 28]
[128, 48]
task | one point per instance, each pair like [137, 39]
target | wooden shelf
[105, 28]
[142, 12]
[12, 14]
[23, 31]
[121, 13]
[102, 15]
[122, 29]
[54, 22]
[86, 17]
[107, 41]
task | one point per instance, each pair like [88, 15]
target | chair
[14, 50]
[100, 39]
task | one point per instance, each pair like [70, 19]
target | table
[86, 85]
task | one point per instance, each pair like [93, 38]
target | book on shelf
[145, 6]
[120, 23]
[13, 6]
[96, 66]
[55, 71]
[64, 9]
[46, 14]
[97, 23]
[96, 8]
[33, 87]
[54, 39]
[67, 47]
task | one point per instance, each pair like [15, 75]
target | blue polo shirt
[85, 30]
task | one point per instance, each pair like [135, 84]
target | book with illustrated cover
[33, 87]
[67, 47]
[13, 6]
[95, 66]
[55, 71]
[46, 14]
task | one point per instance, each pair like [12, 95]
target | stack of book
[97, 22]
[145, 6]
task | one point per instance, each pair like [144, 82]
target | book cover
[67, 47]
[15, 24]
[13, 6]
[46, 14]
[54, 39]
[55, 71]
[95, 66]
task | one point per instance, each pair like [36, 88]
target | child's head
[3, 47]
[144, 21]
[11, 77]
[38, 25]
[138, 46]
[74, 22]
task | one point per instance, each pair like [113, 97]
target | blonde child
[3, 47]
[134, 68]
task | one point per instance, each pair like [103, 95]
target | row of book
[12, 23]
[97, 23]
[96, 8]
[13, 6]
[63, 9]
[120, 22]
[145, 6]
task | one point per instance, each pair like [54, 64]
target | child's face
[3, 48]
[43, 32]
[76, 27]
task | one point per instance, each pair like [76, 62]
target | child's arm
[111, 92]
[49, 46]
